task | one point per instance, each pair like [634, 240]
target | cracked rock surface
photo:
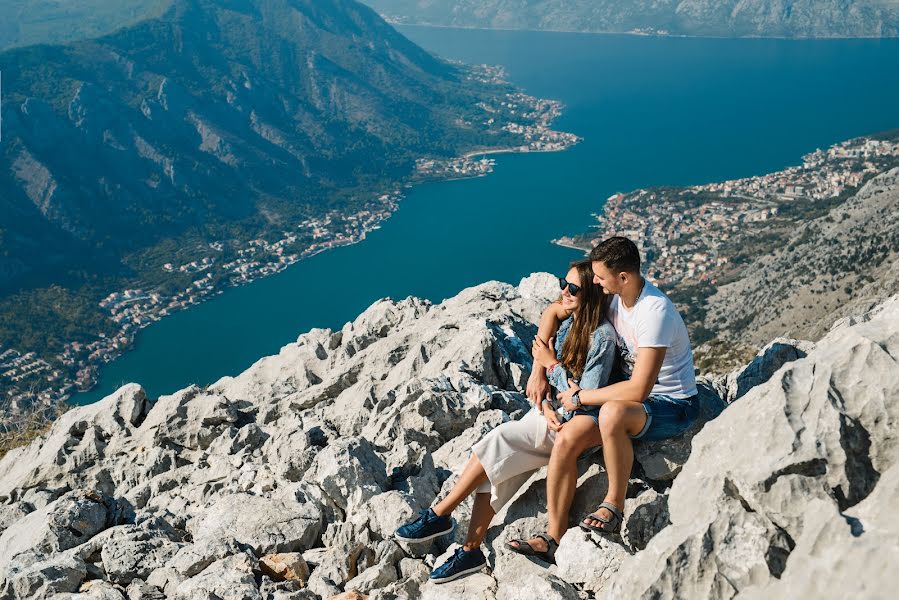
[287, 481]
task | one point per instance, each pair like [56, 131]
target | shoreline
[392, 206]
[394, 23]
[136, 304]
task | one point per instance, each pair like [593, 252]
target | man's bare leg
[618, 420]
[575, 436]
[472, 476]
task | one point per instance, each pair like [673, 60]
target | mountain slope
[788, 18]
[834, 266]
[215, 113]
[27, 22]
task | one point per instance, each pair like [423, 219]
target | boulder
[265, 524]
[769, 359]
[373, 578]
[141, 590]
[644, 517]
[191, 559]
[287, 566]
[76, 442]
[588, 559]
[789, 462]
[69, 521]
[230, 578]
[662, 460]
[97, 589]
[134, 552]
[29, 576]
[350, 472]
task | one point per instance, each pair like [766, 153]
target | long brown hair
[592, 308]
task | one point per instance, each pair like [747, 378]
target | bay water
[652, 111]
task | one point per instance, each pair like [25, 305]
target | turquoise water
[652, 111]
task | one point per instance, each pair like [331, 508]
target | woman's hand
[552, 419]
[565, 397]
[538, 388]
[544, 353]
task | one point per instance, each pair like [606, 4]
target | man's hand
[552, 419]
[566, 397]
[538, 387]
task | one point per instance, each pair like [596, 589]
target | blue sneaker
[461, 563]
[426, 527]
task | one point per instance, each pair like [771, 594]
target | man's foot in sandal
[543, 546]
[606, 519]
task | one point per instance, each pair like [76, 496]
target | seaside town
[134, 309]
[683, 232]
[538, 137]
[28, 381]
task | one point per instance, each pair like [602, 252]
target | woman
[507, 456]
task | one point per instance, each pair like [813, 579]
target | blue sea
[652, 111]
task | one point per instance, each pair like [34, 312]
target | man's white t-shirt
[654, 322]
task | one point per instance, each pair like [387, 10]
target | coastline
[396, 23]
[231, 263]
[389, 209]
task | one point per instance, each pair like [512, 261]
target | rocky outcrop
[287, 481]
[840, 264]
[789, 488]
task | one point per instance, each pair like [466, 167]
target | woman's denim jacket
[600, 358]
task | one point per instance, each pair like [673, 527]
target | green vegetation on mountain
[214, 122]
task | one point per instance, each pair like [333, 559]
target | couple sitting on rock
[607, 311]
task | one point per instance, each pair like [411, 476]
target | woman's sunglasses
[572, 289]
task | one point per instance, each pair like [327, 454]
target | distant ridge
[27, 22]
[725, 18]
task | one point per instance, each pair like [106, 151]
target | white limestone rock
[349, 471]
[662, 460]
[589, 560]
[778, 466]
[31, 576]
[265, 524]
[327, 447]
[77, 441]
[373, 578]
[68, 522]
[769, 359]
[133, 552]
[230, 578]
[644, 517]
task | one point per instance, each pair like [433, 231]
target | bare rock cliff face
[288, 480]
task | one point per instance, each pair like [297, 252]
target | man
[658, 400]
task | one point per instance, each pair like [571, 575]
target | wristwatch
[576, 399]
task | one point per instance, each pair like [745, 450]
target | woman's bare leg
[472, 476]
[576, 435]
[481, 515]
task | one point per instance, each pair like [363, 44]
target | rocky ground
[837, 265]
[286, 481]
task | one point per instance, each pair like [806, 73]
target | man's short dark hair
[618, 254]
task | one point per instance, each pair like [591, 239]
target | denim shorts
[590, 411]
[668, 417]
